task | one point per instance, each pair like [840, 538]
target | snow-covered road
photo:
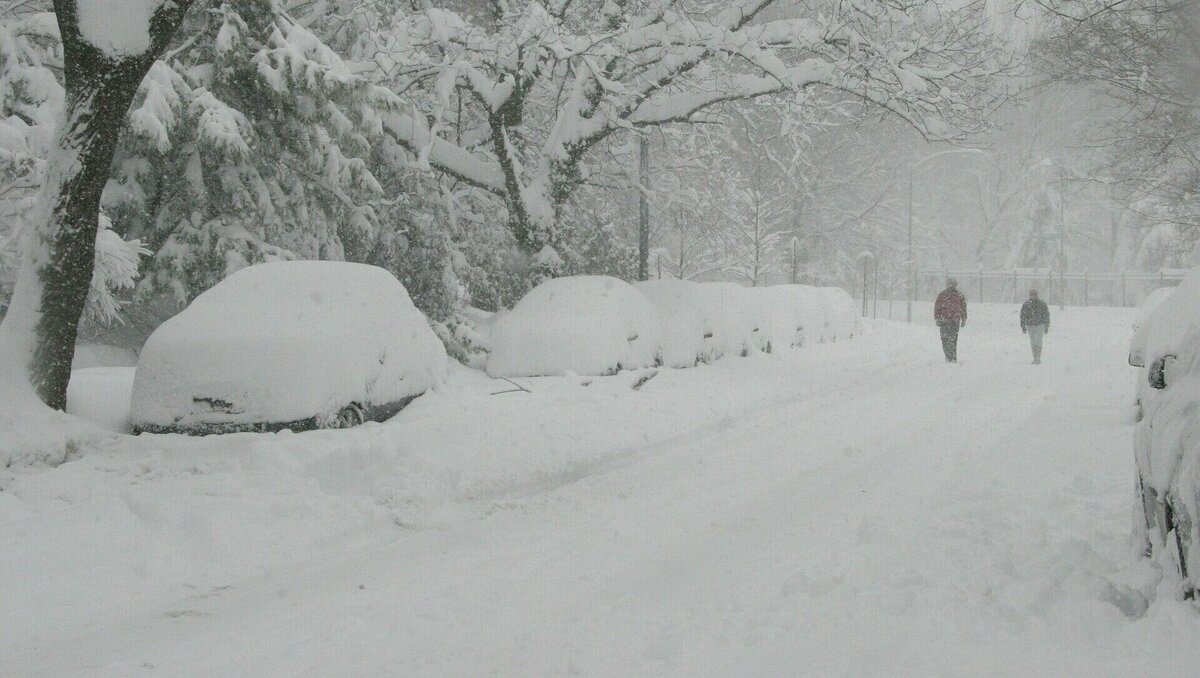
[854, 509]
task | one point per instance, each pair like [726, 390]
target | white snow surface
[287, 340]
[119, 28]
[855, 508]
[101, 395]
[585, 324]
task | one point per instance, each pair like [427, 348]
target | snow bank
[583, 324]
[101, 395]
[285, 341]
[32, 434]
[685, 324]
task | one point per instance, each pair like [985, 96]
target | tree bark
[60, 254]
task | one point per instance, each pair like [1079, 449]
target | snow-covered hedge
[583, 324]
[1167, 441]
[282, 342]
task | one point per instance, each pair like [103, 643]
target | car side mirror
[1157, 375]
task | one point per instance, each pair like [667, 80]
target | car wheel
[349, 416]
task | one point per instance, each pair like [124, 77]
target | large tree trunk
[60, 254]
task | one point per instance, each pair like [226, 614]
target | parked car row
[597, 325]
[1165, 347]
[318, 344]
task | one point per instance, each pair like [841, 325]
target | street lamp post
[912, 273]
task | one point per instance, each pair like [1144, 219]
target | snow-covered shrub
[462, 336]
[286, 342]
[1167, 441]
[583, 324]
[685, 324]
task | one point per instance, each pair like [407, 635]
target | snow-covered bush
[583, 324]
[293, 343]
[1167, 441]
[686, 326]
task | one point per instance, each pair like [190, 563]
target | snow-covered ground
[858, 508]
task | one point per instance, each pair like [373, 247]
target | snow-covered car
[587, 324]
[798, 317]
[287, 345]
[734, 323]
[1142, 324]
[842, 317]
[1167, 441]
[686, 326]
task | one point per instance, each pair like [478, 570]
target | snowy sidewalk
[858, 509]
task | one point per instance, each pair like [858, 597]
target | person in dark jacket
[1035, 321]
[950, 313]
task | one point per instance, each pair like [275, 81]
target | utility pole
[644, 207]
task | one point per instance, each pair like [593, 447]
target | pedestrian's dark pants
[949, 329]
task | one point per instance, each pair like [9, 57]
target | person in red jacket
[950, 312]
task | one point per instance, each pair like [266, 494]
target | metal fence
[1056, 287]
